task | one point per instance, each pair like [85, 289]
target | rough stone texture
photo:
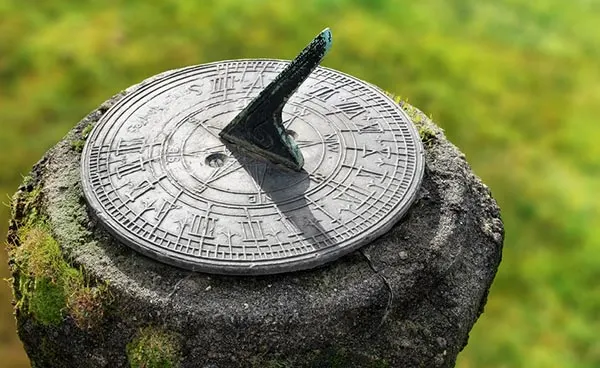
[409, 299]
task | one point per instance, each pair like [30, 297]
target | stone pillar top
[408, 298]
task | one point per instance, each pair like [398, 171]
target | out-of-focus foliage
[515, 84]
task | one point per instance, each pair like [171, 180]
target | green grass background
[515, 84]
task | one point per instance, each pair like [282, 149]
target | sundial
[252, 166]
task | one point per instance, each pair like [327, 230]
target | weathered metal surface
[157, 175]
[258, 128]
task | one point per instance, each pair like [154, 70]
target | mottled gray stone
[409, 299]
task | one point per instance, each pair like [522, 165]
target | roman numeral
[200, 227]
[259, 82]
[362, 172]
[332, 142]
[130, 145]
[385, 150]
[369, 127]
[203, 226]
[127, 168]
[166, 207]
[143, 187]
[223, 82]
[323, 93]
[351, 109]
[252, 229]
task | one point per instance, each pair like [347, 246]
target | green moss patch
[426, 133]
[77, 144]
[49, 288]
[46, 286]
[153, 348]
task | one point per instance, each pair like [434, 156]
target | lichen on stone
[153, 348]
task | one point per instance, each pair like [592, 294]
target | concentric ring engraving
[158, 177]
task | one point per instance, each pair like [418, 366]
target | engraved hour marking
[164, 210]
[366, 151]
[323, 93]
[127, 168]
[346, 190]
[141, 188]
[244, 71]
[290, 227]
[380, 162]
[203, 226]
[386, 151]
[223, 82]
[351, 109]
[258, 82]
[369, 127]
[253, 229]
[361, 171]
[344, 195]
[365, 220]
[332, 142]
[129, 145]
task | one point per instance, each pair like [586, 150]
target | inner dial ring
[199, 162]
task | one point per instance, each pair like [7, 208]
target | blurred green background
[515, 84]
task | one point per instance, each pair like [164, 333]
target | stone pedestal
[408, 299]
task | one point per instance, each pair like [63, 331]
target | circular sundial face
[158, 176]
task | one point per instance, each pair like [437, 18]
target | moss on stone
[77, 144]
[153, 348]
[45, 284]
[38, 263]
[427, 135]
[86, 304]
[425, 128]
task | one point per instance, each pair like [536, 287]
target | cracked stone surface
[409, 299]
